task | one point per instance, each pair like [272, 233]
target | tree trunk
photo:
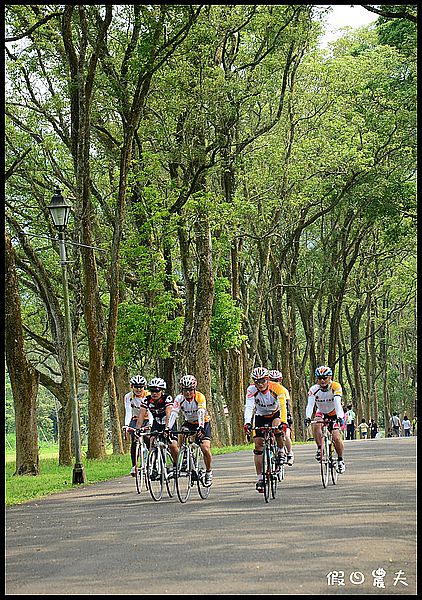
[115, 424]
[23, 377]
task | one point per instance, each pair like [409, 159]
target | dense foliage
[240, 197]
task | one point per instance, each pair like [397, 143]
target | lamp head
[59, 210]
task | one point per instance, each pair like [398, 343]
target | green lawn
[55, 478]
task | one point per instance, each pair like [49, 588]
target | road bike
[160, 470]
[328, 456]
[272, 470]
[190, 467]
[141, 454]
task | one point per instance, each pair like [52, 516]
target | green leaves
[226, 323]
[145, 332]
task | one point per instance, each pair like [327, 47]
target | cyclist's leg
[279, 435]
[288, 441]
[206, 446]
[257, 453]
[133, 445]
[338, 443]
[317, 433]
[206, 452]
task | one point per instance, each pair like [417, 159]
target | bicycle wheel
[333, 464]
[273, 471]
[171, 474]
[324, 460]
[266, 472]
[139, 470]
[155, 473]
[183, 474]
[203, 490]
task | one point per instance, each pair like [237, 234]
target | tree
[23, 376]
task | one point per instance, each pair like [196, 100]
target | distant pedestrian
[374, 428]
[350, 423]
[363, 429]
[406, 424]
[415, 425]
[395, 425]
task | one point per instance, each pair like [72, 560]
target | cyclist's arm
[169, 409]
[338, 407]
[310, 405]
[283, 408]
[128, 411]
[141, 417]
[249, 406]
[202, 408]
[174, 413]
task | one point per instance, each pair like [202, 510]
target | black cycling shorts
[262, 421]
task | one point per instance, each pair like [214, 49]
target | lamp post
[60, 212]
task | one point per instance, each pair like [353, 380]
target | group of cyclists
[150, 406]
[267, 403]
[270, 401]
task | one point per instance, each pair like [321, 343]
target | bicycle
[190, 467]
[272, 473]
[328, 457]
[160, 467]
[141, 454]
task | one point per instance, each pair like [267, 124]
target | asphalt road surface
[358, 537]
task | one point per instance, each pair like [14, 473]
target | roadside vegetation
[55, 478]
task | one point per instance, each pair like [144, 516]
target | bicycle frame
[160, 467]
[190, 468]
[271, 473]
[328, 460]
[141, 455]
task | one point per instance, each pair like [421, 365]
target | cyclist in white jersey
[132, 402]
[326, 395]
[277, 376]
[267, 401]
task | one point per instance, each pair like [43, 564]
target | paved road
[105, 539]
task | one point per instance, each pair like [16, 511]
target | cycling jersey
[157, 407]
[328, 402]
[195, 410]
[266, 403]
[133, 406]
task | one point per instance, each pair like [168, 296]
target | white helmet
[188, 381]
[260, 373]
[275, 375]
[157, 382]
[138, 380]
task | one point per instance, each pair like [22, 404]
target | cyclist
[197, 419]
[159, 404]
[268, 399]
[277, 376]
[132, 407]
[326, 394]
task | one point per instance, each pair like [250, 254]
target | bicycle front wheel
[273, 471]
[266, 472]
[170, 474]
[155, 474]
[324, 460]
[139, 469]
[183, 474]
[333, 465]
[203, 490]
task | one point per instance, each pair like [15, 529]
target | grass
[56, 478]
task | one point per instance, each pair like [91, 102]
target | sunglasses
[260, 380]
[323, 378]
[138, 387]
[154, 390]
[188, 389]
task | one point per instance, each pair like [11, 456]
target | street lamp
[60, 211]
